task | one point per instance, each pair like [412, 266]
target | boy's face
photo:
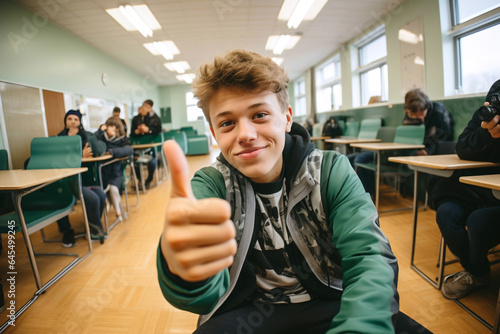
[72, 122]
[111, 130]
[250, 130]
[145, 109]
[420, 114]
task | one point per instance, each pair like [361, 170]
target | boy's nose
[246, 131]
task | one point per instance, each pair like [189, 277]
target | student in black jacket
[468, 216]
[146, 123]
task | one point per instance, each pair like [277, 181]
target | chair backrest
[147, 139]
[369, 127]
[56, 152]
[386, 133]
[179, 136]
[351, 129]
[4, 160]
[410, 134]
[49, 153]
[317, 130]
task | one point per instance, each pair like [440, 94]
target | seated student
[116, 113]
[146, 123]
[331, 129]
[468, 216]
[274, 227]
[118, 145]
[94, 197]
[419, 110]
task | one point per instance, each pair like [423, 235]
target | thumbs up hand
[198, 236]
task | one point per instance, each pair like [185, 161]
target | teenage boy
[146, 123]
[275, 236]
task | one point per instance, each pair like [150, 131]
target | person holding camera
[467, 215]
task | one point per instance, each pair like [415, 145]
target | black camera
[486, 113]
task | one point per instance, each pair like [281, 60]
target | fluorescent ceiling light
[278, 43]
[165, 48]
[178, 66]
[278, 60]
[188, 78]
[135, 18]
[297, 10]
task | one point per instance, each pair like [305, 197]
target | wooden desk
[379, 147]
[320, 138]
[345, 141]
[491, 182]
[142, 148]
[21, 182]
[440, 165]
[486, 181]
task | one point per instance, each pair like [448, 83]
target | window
[476, 27]
[193, 112]
[328, 86]
[300, 98]
[372, 67]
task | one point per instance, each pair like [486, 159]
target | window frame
[378, 63]
[192, 105]
[299, 97]
[467, 28]
[321, 85]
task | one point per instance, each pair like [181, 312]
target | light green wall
[175, 98]
[37, 53]
[428, 10]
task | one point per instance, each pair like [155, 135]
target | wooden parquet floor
[115, 289]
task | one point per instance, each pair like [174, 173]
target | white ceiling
[202, 29]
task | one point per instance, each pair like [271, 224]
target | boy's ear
[212, 130]
[289, 119]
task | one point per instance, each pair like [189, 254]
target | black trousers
[313, 317]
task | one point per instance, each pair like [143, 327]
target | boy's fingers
[179, 170]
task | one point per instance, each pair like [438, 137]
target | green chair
[44, 204]
[179, 137]
[351, 129]
[369, 128]
[196, 144]
[404, 134]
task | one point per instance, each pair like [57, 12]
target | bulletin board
[411, 47]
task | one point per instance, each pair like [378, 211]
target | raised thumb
[179, 170]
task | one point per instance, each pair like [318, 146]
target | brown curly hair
[241, 69]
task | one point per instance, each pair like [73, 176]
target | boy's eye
[260, 115]
[226, 124]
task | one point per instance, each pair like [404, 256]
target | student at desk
[419, 109]
[94, 196]
[146, 123]
[469, 216]
[118, 145]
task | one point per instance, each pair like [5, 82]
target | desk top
[96, 159]
[143, 146]
[320, 138]
[18, 179]
[353, 140]
[485, 181]
[442, 161]
[387, 146]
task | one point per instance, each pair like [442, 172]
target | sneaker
[148, 184]
[68, 239]
[460, 284]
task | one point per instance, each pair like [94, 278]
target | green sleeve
[369, 267]
[197, 297]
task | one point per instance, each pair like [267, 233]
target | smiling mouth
[250, 153]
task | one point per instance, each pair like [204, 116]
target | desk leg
[496, 327]
[16, 199]
[377, 181]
